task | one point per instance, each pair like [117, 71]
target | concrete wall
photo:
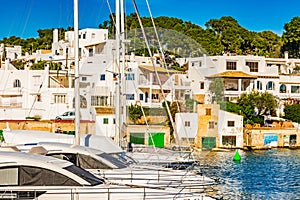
[255, 137]
[47, 125]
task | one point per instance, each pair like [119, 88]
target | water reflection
[266, 174]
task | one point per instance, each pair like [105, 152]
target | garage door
[156, 139]
[271, 140]
[208, 142]
[137, 138]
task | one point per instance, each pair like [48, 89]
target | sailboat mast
[118, 85]
[123, 80]
[120, 90]
[76, 69]
[156, 74]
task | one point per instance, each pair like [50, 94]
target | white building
[11, 53]
[224, 130]
[186, 127]
[32, 93]
[44, 93]
[230, 129]
[278, 76]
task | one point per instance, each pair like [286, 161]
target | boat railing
[104, 193]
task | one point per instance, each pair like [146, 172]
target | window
[129, 96]
[60, 98]
[295, 89]
[211, 125]
[88, 162]
[259, 85]
[79, 54]
[90, 178]
[84, 78]
[83, 102]
[187, 123]
[102, 77]
[17, 83]
[154, 96]
[229, 140]
[231, 85]
[105, 120]
[208, 111]
[84, 36]
[141, 97]
[93, 35]
[91, 52]
[230, 123]
[270, 86]
[282, 88]
[253, 66]
[114, 121]
[201, 85]
[38, 98]
[99, 100]
[196, 64]
[9, 176]
[129, 76]
[28, 176]
[230, 65]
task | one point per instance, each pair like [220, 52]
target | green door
[1, 136]
[156, 139]
[208, 142]
[137, 138]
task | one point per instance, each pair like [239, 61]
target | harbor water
[260, 174]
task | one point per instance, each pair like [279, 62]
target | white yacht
[28, 176]
[163, 157]
[141, 154]
[118, 172]
[103, 143]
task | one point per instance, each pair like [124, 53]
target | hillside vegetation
[219, 36]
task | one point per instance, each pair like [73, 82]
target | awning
[233, 74]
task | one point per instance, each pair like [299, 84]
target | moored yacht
[142, 155]
[118, 172]
[163, 157]
[28, 176]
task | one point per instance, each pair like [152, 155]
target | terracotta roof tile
[233, 74]
[159, 69]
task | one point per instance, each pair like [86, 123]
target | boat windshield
[113, 160]
[87, 176]
[122, 157]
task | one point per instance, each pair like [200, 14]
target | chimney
[55, 35]
[204, 60]
[286, 55]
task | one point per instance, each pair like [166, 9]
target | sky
[23, 18]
